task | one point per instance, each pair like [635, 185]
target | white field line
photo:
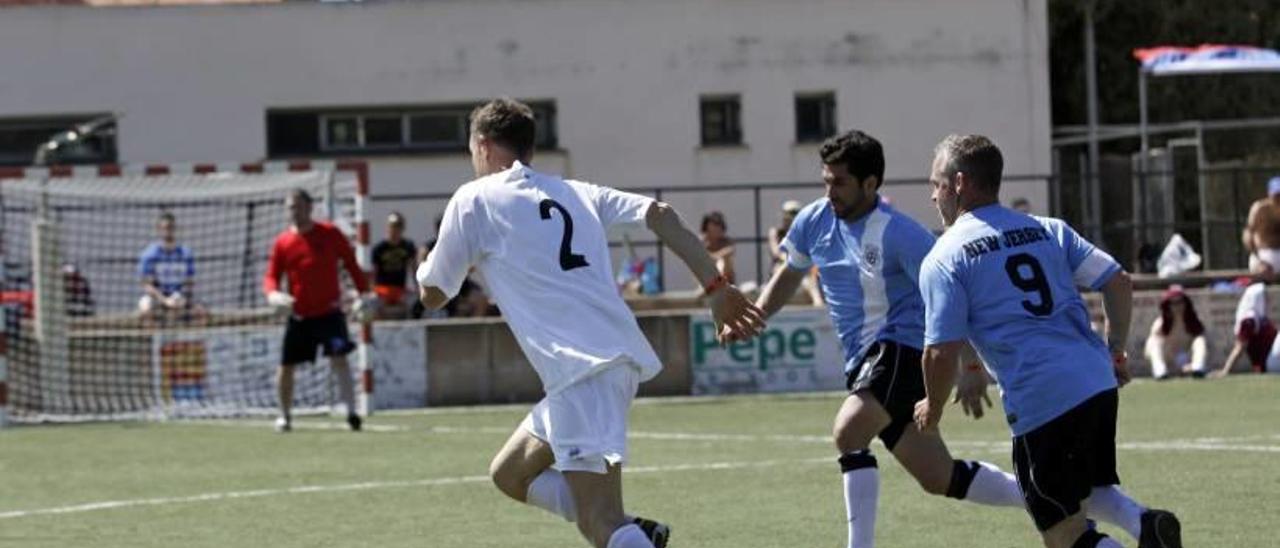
[1201, 444]
[1225, 444]
[1193, 444]
[364, 486]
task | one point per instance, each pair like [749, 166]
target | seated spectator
[715, 236]
[777, 235]
[393, 258]
[77, 292]
[1255, 334]
[1176, 332]
[1021, 205]
[168, 271]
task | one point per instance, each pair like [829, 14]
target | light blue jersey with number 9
[1008, 283]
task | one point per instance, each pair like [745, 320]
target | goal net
[104, 318]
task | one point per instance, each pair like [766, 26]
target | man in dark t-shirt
[393, 258]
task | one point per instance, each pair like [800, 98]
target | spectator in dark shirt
[393, 260]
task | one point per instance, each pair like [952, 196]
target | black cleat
[658, 533]
[354, 422]
[1160, 529]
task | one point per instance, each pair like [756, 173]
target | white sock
[629, 536]
[1113, 506]
[994, 487]
[861, 492]
[549, 491]
[347, 390]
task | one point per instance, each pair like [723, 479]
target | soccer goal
[107, 317]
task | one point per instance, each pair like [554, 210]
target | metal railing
[755, 205]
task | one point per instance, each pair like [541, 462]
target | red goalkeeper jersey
[310, 260]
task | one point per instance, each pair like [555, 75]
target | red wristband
[973, 367]
[715, 284]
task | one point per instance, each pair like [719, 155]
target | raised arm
[728, 306]
[781, 287]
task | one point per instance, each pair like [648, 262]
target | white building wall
[194, 83]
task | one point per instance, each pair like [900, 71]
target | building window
[375, 130]
[815, 117]
[20, 137]
[721, 120]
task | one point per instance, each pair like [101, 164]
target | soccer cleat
[283, 425]
[658, 533]
[354, 422]
[1160, 529]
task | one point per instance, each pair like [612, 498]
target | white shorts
[586, 423]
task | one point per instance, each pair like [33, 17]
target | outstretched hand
[735, 317]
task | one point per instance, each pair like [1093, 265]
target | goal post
[105, 317]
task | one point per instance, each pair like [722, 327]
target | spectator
[776, 235]
[715, 237]
[168, 273]
[1255, 334]
[1262, 233]
[1177, 331]
[393, 259]
[1021, 205]
[77, 291]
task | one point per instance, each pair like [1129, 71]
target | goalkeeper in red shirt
[308, 253]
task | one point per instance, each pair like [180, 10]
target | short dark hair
[714, 217]
[506, 122]
[974, 155]
[165, 216]
[860, 153]
[300, 194]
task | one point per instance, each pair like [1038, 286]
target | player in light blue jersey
[1006, 282]
[868, 258]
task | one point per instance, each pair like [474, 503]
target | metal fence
[750, 209]
[1142, 210]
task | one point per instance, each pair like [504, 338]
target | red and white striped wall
[364, 396]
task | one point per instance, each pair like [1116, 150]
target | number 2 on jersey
[568, 259]
[1036, 282]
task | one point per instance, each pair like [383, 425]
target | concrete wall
[194, 83]
[479, 361]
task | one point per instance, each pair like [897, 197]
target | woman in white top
[1175, 332]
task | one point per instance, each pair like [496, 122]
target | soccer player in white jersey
[868, 257]
[539, 242]
[1006, 282]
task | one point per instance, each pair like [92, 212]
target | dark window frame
[729, 131]
[287, 129]
[824, 126]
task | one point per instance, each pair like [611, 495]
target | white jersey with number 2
[539, 242]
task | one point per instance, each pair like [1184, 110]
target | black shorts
[890, 372]
[303, 336]
[1059, 463]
